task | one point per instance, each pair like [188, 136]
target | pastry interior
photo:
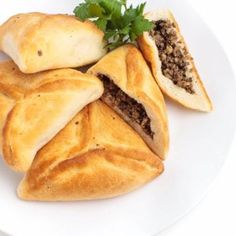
[127, 107]
[176, 62]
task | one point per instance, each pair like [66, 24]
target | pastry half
[132, 92]
[38, 42]
[172, 64]
[36, 107]
[97, 155]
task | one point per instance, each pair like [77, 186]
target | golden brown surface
[38, 42]
[97, 155]
[127, 68]
[40, 105]
[198, 101]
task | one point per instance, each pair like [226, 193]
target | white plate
[199, 147]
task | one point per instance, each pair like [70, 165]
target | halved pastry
[131, 91]
[36, 107]
[97, 155]
[172, 65]
[38, 42]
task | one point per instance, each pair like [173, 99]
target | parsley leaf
[101, 24]
[141, 25]
[95, 10]
[82, 11]
[120, 23]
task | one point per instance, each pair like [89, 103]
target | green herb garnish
[121, 24]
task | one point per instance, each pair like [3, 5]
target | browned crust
[8, 156]
[23, 36]
[81, 170]
[102, 183]
[11, 91]
[44, 18]
[127, 68]
[20, 89]
[149, 54]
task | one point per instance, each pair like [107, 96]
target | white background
[216, 214]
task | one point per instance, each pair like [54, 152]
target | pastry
[97, 155]
[38, 42]
[36, 107]
[130, 89]
[172, 64]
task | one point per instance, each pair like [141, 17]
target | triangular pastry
[132, 92]
[97, 155]
[36, 107]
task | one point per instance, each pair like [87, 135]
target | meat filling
[135, 111]
[173, 54]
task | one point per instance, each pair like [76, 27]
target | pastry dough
[97, 155]
[38, 42]
[40, 105]
[127, 69]
[199, 100]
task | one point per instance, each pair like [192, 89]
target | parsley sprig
[120, 23]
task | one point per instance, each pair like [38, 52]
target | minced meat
[135, 111]
[173, 55]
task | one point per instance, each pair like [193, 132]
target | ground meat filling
[173, 55]
[135, 111]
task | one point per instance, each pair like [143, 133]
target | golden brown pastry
[172, 65]
[97, 155]
[36, 107]
[38, 42]
[131, 91]
[7, 101]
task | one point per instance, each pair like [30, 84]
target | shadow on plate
[3, 234]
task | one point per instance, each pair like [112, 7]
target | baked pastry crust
[127, 68]
[36, 107]
[97, 155]
[198, 101]
[38, 42]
